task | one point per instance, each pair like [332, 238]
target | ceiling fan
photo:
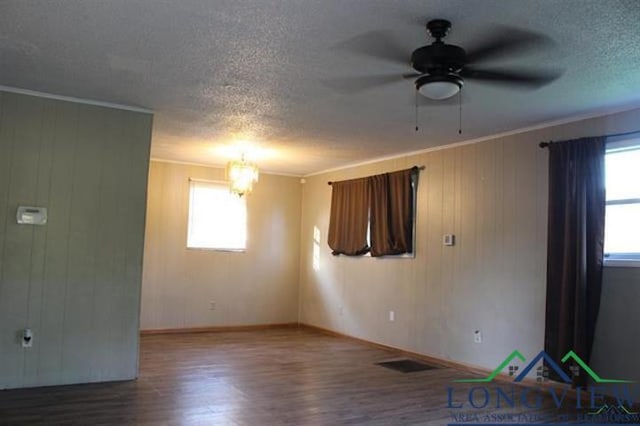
[441, 69]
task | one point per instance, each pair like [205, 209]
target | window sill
[392, 256]
[622, 263]
[217, 249]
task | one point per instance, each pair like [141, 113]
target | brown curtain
[575, 246]
[391, 214]
[349, 219]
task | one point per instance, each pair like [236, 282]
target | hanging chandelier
[241, 175]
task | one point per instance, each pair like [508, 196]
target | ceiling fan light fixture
[439, 87]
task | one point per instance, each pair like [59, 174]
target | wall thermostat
[32, 215]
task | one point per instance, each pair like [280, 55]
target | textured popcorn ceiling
[219, 72]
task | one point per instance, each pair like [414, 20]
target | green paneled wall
[75, 281]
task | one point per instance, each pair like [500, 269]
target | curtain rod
[613, 135]
[414, 167]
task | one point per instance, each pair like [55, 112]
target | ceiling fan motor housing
[438, 59]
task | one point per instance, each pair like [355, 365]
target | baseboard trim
[217, 328]
[466, 368]
[441, 362]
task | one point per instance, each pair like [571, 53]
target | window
[217, 218]
[622, 223]
[374, 214]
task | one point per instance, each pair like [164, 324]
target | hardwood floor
[267, 377]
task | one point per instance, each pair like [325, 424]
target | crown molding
[73, 99]
[539, 126]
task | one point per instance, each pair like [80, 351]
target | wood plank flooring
[268, 377]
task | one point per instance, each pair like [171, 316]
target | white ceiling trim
[74, 99]
[539, 126]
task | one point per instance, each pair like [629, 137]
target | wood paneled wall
[493, 196]
[617, 348]
[258, 286]
[75, 281]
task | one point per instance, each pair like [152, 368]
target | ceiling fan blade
[507, 41]
[411, 75]
[357, 84]
[514, 77]
[377, 44]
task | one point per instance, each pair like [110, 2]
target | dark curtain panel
[391, 214]
[349, 219]
[575, 246]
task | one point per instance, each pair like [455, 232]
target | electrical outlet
[477, 336]
[27, 338]
[392, 316]
[212, 305]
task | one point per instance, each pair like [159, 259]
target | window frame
[221, 183]
[613, 145]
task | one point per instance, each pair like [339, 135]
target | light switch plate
[449, 240]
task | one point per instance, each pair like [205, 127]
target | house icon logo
[571, 366]
[543, 369]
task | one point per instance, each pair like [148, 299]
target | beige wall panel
[616, 352]
[493, 196]
[259, 286]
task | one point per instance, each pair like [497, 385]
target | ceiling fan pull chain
[460, 111]
[416, 110]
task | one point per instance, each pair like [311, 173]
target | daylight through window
[217, 218]
[622, 228]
